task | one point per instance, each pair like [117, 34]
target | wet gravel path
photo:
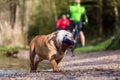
[102, 65]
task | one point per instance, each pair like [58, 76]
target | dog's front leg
[54, 64]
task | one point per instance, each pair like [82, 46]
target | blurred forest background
[21, 20]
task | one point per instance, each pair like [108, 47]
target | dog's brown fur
[44, 48]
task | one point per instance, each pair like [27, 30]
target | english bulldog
[50, 47]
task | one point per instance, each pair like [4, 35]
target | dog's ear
[55, 34]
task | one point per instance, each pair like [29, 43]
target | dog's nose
[68, 41]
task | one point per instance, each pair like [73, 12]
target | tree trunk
[54, 9]
[23, 19]
[13, 5]
[116, 11]
[100, 17]
[21, 24]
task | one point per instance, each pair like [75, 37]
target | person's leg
[82, 37]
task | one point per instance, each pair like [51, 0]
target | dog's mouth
[66, 46]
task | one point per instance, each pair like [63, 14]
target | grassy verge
[10, 49]
[100, 46]
[109, 44]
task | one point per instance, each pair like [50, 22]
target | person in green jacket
[77, 16]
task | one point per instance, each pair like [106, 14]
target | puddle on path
[10, 65]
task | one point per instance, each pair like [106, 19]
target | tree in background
[14, 19]
[15, 15]
[45, 15]
[115, 44]
[13, 9]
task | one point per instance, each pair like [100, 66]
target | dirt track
[103, 65]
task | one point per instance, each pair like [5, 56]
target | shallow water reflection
[10, 65]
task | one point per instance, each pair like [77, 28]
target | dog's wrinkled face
[64, 39]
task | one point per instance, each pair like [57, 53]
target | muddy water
[20, 65]
[102, 65]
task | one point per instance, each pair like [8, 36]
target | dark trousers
[73, 24]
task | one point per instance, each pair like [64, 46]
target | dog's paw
[57, 70]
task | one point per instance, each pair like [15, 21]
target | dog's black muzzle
[67, 41]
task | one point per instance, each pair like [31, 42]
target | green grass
[9, 49]
[98, 47]
[115, 44]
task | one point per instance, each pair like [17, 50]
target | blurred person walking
[77, 16]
